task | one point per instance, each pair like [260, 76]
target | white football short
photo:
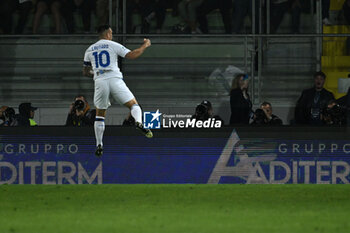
[111, 87]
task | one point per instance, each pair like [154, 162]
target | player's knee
[131, 103]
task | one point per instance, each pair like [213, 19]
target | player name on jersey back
[97, 47]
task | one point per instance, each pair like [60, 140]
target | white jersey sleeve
[120, 50]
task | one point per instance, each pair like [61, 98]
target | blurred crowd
[25, 117]
[191, 14]
[80, 114]
[315, 106]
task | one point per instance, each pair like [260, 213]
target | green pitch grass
[174, 208]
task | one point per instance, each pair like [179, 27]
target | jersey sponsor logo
[152, 120]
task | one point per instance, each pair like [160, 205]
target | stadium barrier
[244, 155]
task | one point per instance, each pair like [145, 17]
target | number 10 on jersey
[99, 58]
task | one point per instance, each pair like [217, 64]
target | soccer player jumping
[101, 63]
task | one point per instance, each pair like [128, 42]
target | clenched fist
[146, 42]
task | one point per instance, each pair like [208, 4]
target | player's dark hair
[102, 28]
[320, 73]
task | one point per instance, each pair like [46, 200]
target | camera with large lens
[79, 105]
[202, 112]
[336, 115]
[8, 117]
[260, 116]
[9, 113]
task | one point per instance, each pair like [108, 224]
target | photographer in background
[344, 103]
[334, 114]
[264, 116]
[129, 121]
[80, 113]
[7, 115]
[204, 111]
[26, 115]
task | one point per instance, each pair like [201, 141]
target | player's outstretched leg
[136, 113]
[99, 127]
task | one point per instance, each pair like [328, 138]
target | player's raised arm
[139, 51]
